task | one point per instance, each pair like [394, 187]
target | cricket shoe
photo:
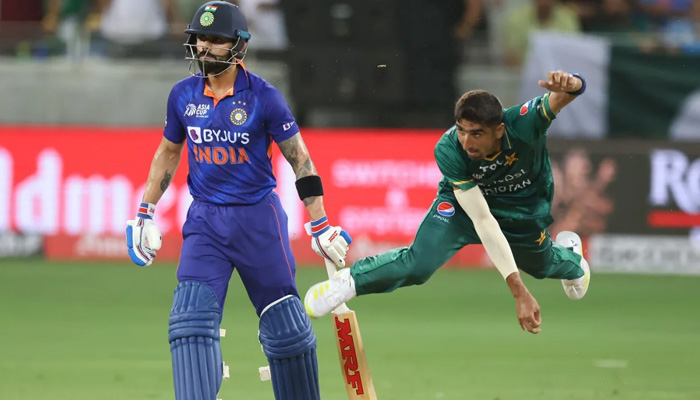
[326, 296]
[575, 288]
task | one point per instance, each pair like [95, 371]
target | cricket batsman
[228, 117]
[497, 189]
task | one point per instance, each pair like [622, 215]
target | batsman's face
[213, 48]
[479, 141]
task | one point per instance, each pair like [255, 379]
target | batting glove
[143, 236]
[329, 242]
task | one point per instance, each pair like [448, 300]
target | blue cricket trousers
[250, 238]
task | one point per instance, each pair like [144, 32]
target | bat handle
[330, 269]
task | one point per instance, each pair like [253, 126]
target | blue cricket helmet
[219, 18]
[222, 19]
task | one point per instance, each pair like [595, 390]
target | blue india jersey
[229, 140]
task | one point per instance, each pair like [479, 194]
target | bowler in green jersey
[497, 190]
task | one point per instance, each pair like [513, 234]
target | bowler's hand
[528, 312]
[143, 237]
[561, 82]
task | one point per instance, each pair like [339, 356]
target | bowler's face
[479, 141]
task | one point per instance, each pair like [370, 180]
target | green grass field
[89, 331]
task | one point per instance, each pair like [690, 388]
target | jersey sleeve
[174, 130]
[531, 118]
[451, 163]
[279, 120]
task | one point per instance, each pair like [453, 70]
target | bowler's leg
[444, 230]
[538, 256]
[438, 238]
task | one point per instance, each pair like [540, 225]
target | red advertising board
[78, 186]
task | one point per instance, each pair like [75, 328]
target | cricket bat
[351, 350]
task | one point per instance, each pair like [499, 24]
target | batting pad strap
[194, 342]
[290, 345]
[309, 186]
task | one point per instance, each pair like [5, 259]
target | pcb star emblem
[543, 237]
[511, 159]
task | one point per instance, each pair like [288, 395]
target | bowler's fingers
[550, 77]
[569, 83]
[531, 324]
[556, 78]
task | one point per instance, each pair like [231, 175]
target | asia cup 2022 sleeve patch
[278, 117]
[173, 130]
[451, 162]
[531, 119]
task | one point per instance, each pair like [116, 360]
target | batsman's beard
[213, 67]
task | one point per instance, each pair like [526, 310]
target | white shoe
[575, 288]
[326, 296]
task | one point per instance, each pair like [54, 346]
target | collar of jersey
[241, 83]
[506, 144]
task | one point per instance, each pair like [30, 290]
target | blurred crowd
[154, 28]
[119, 28]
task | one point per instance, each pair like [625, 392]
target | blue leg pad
[194, 342]
[290, 346]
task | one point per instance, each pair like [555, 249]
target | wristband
[146, 211]
[583, 86]
[319, 226]
[309, 186]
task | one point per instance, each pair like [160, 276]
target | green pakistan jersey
[517, 184]
[517, 181]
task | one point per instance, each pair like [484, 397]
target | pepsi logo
[524, 108]
[446, 209]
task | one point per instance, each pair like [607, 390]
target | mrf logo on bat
[347, 344]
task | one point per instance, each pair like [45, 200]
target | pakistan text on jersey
[513, 187]
[507, 178]
[220, 155]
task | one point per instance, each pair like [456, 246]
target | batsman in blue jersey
[228, 117]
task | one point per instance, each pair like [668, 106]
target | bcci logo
[239, 116]
[206, 19]
[446, 209]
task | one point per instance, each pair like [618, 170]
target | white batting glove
[329, 242]
[143, 236]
